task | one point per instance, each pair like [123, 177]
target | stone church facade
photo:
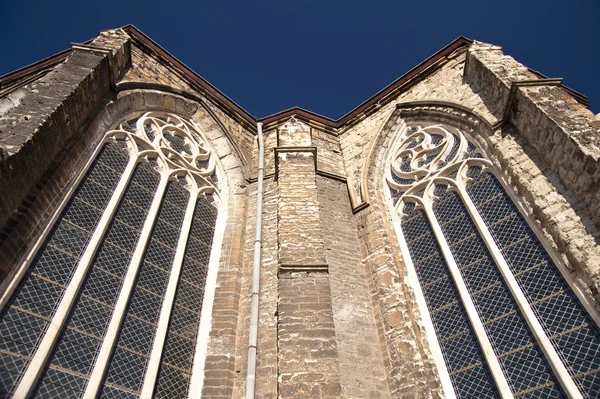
[439, 241]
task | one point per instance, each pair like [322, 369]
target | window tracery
[121, 275]
[483, 273]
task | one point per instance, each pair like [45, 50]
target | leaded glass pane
[177, 143]
[465, 362]
[570, 329]
[173, 383]
[93, 309]
[573, 333]
[492, 298]
[23, 322]
[129, 362]
[178, 354]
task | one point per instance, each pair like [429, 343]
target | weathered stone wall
[220, 371]
[409, 364]
[539, 136]
[308, 358]
[550, 153]
[300, 237]
[49, 118]
[307, 352]
[565, 133]
[266, 370]
[329, 153]
[360, 345]
[270, 143]
[147, 70]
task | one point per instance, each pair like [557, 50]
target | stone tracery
[177, 142]
[424, 155]
[150, 178]
[448, 201]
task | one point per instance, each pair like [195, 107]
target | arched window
[505, 320]
[110, 303]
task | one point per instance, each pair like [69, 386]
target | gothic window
[503, 319]
[109, 305]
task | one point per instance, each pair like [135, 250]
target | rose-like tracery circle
[170, 143]
[421, 154]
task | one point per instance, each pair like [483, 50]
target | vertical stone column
[307, 351]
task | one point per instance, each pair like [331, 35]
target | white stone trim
[413, 283]
[197, 381]
[110, 338]
[167, 307]
[55, 327]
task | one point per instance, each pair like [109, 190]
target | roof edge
[11, 77]
[414, 72]
[445, 51]
[580, 98]
[227, 102]
[189, 73]
[235, 110]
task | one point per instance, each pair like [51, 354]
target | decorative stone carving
[422, 156]
[174, 144]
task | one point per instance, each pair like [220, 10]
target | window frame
[412, 279]
[29, 379]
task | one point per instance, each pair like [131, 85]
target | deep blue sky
[326, 56]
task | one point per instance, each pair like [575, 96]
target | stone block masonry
[50, 116]
[300, 236]
[308, 364]
[338, 309]
[307, 357]
[362, 371]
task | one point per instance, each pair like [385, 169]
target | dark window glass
[505, 326]
[571, 330]
[178, 355]
[463, 356]
[93, 309]
[129, 362]
[24, 320]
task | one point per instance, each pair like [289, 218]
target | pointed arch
[435, 111]
[428, 170]
[170, 155]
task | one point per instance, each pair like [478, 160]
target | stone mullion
[110, 339]
[486, 346]
[167, 307]
[61, 315]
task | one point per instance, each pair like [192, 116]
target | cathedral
[441, 240]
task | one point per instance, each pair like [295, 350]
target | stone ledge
[297, 268]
